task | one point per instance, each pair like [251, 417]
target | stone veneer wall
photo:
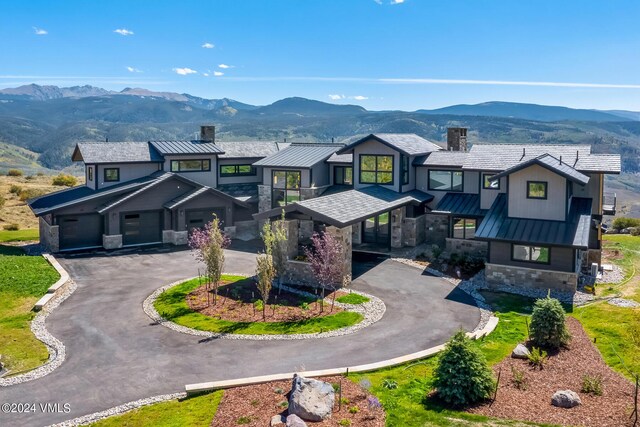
[437, 229]
[173, 237]
[299, 273]
[113, 241]
[312, 192]
[305, 230]
[397, 220]
[247, 230]
[498, 275]
[473, 248]
[49, 235]
[356, 233]
[264, 198]
[414, 230]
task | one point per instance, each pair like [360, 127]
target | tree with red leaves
[326, 256]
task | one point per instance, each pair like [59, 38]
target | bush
[344, 422]
[354, 409]
[259, 305]
[30, 193]
[462, 376]
[548, 329]
[29, 177]
[519, 378]
[15, 189]
[592, 384]
[14, 172]
[537, 358]
[12, 227]
[635, 231]
[40, 174]
[624, 222]
[389, 384]
[436, 251]
[64, 180]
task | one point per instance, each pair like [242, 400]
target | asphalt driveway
[116, 355]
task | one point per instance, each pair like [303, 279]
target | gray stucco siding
[553, 207]
[319, 175]
[487, 197]
[128, 172]
[238, 179]
[374, 147]
[90, 176]
[560, 258]
[304, 175]
[208, 178]
[592, 190]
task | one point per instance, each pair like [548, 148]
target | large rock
[565, 399]
[310, 399]
[295, 421]
[278, 420]
[520, 352]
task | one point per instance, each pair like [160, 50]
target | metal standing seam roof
[115, 152]
[247, 149]
[340, 158]
[547, 161]
[186, 147]
[443, 158]
[574, 232]
[463, 204]
[349, 207]
[300, 155]
[407, 143]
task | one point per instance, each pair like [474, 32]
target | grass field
[19, 235]
[172, 305]
[23, 280]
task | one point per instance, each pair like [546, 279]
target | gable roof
[574, 232]
[406, 143]
[247, 149]
[443, 158]
[115, 152]
[113, 203]
[549, 162]
[300, 155]
[186, 147]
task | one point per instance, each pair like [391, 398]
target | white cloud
[208, 46]
[218, 73]
[40, 31]
[336, 97]
[205, 74]
[184, 71]
[359, 97]
[225, 66]
[397, 1]
[123, 32]
[378, 1]
[133, 70]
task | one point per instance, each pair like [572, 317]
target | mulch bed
[563, 371]
[235, 303]
[254, 405]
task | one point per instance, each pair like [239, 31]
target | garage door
[80, 231]
[139, 228]
[198, 218]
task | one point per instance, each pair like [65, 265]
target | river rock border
[372, 311]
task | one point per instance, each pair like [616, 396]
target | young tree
[209, 243]
[327, 258]
[462, 376]
[548, 328]
[265, 273]
[275, 241]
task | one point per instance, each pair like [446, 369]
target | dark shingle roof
[247, 149]
[407, 143]
[185, 147]
[442, 158]
[573, 232]
[245, 192]
[115, 152]
[462, 204]
[547, 161]
[609, 163]
[340, 158]
[349, 207]
[300, 155]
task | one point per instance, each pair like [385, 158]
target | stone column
[291, 228]
[397, 217]
[343, 235]
[264, 198]
[113, 241]
[49, 235]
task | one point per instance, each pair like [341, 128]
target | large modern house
[532, 211]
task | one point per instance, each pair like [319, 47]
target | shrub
[15, 189]
[344, 422]
[278, 390]
[284, 404]
[12, 227]
[29, 177]
[472, 265]
[548, 329]
[537, 358]
[354, 409]
[519, 378]
[592, 384]
[436, 251]
[389, 384]
[30, 193]
[344, 401]
[64, 180]
[14, 172]
[40, 174]
[635, 231]
[624, 222]
[244, 420]
[259, 305]
[462, 375]
[304, 306]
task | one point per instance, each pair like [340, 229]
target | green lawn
[23, 280]
[19, 235]
[193, 412]
[172, 305]
[352, 299]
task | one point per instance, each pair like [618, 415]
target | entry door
[140, 228]
[377, 229]
[198, 218]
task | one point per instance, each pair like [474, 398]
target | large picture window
[237, 170]
[112, 174]
[536, 190]
[537, 254]
[490, 185]
[444, 180]
[376, 169]
[404, 163]
[464, 228]
[343, 175]
[285, 188]
[199, 165]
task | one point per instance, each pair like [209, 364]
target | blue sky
[416, 54]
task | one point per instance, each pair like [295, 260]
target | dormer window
[376, 169]
[536, 189]
[490, 185]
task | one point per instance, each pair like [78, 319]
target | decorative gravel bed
[616, 275]
[254, 405]
[621, 302]
[371, 311]
[564, 370]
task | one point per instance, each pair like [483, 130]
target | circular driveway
[116, 355]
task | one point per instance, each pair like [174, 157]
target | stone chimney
[208, 133]
[457, 139]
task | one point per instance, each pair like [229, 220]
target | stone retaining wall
[530, 278]
[414, 230]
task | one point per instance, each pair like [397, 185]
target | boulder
[310, 399]
[278, 420]
[565, 399]
[295, 421]
[520, 352]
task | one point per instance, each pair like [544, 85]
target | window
[89, 174]
[285, 188]
[490, 185]
[199, 165]
[464, 228]
[237, 170]
[442, 180]
[343, 175]
[536, 190]
[375, 169]
[538, 254]
[111, 174]
[404, 168]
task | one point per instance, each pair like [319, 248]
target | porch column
[291, 228]
[343, 235]
[397, 217]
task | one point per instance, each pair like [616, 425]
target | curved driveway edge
[372, 311]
